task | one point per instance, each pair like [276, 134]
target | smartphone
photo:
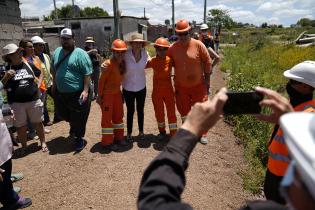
[242, 103]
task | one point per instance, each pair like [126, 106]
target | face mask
[296, 97]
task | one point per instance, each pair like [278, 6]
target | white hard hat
[204, 26]
[299, 133]
[303, 72]
[66, 32]
[37, 40]
[9, 49]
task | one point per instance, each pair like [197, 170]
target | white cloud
[250, 11]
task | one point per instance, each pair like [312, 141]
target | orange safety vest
[278, 160]
[37, 63]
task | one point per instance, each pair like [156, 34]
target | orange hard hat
[119, 45]
[161, 42]
[182, 26]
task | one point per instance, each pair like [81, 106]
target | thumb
[220, 99]
[2, 171]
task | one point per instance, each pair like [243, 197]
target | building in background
[10, 23]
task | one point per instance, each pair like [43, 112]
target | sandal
[45, 148]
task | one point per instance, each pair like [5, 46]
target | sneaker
[204, 140]
[122, 142]
[31, 135]
[47, 131]
[129, 138]
[16, 177]
[17, 189]
[79, 144]
[22, 203]
[141, 136]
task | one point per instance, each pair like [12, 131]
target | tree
[93, 12]
[220, 18]
[305, 22]
[264, 25]
[66, 12]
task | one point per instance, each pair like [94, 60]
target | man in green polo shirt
[72, 69]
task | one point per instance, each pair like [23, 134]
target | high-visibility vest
[278, 160]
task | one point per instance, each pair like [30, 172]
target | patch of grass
[258, 62]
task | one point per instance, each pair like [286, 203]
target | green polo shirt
[71, 72]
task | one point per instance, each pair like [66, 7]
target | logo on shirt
[22, 74]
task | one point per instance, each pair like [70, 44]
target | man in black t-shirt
[95, 58]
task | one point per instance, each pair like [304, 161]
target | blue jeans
[7, 195]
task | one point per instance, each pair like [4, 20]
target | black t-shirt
[22, 88]
[93, 57]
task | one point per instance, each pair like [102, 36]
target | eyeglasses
[182, 34]
[161, 48]
[39, 44]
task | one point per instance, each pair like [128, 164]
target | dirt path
[93, 179]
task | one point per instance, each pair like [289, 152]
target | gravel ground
[95, 179]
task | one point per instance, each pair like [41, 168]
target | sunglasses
[161, 48]
[182, 34]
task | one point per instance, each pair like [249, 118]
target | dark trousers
[68, 108]
[130, 99]
[46, 114]
[271, 187]
[95, 78]
[7, 195]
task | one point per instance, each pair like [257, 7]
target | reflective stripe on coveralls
[278, 160]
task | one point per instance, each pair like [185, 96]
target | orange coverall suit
[111, 102]
[191, 62]
[163, 93]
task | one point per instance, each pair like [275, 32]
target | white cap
[66, 32]
[9, 49]
[204, 26]
[37, 40]
[299, 132]
[303, 72]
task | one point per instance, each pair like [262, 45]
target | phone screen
[242, 103]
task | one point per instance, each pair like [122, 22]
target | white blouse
[134, 78]
[6, 146]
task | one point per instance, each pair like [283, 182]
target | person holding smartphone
[71, 70]
[300, 88]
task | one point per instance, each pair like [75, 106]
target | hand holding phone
[243, 103]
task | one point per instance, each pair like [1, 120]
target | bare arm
[216, 58]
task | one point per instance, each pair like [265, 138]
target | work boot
[129, 138]
[111, 147]
[161, 136]
[122, 142]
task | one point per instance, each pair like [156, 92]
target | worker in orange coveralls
[192, 65]
[163, 92]
[110, 98]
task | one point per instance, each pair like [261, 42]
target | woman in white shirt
[134, 83]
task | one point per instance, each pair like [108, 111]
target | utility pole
[173, 17]
[116, 19]
[56, 15]
[73, 12]
[205, 12]
[144, 12]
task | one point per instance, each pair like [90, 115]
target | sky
[285, 12]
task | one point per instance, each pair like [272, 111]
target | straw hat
[89, 39]
[137, 38]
